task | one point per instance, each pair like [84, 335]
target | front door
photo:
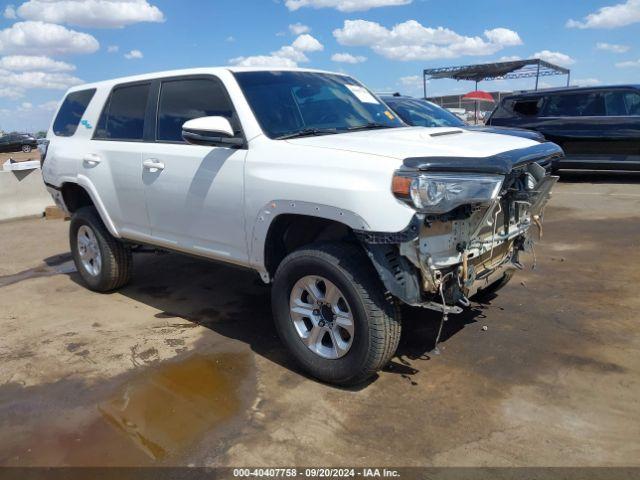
[194, 194]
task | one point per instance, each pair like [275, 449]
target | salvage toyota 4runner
[307, 178]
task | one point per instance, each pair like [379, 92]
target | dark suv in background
[598, 128]
[18, 142]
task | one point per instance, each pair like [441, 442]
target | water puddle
[58, 265]
[160, 413]
[157, 417]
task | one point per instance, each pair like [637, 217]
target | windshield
[288, 104]
[420, 113]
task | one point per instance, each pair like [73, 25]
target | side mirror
[210, 131]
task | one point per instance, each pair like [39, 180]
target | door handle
[153, 164]
[92, 159]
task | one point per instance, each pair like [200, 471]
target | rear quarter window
[527, 107]
[71, 112]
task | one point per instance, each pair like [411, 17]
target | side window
[615, 103]
[182, 100]
[527, 107]
[575, 105]
[71, 112]
[632, 100]
[123, 114]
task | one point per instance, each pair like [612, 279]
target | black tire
[489, 291]
[26, 148]
[116, 256]
[376, 319]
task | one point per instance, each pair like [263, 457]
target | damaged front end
[474, 218]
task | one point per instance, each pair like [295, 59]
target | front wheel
[26, 148]
[103, 261]
[331, 312]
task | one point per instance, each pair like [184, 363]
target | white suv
[307, 178]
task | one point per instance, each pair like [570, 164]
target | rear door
[623, 128]
[113, 162]
[194, 194]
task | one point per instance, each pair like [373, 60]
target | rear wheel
[26, 148]
[331, 312]
[103, 261]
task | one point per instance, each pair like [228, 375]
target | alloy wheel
[322, 317]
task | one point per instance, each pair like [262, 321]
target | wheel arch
[285, 225]
[82, 194]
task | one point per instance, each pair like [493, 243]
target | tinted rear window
[183, 100]
[622, 103]
[588, 104]
[71, 112]
[123, 115]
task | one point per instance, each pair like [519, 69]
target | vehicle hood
[401, 143]
[444, 149]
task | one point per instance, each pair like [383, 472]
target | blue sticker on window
[86, 124]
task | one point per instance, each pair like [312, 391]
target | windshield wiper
[308, 132]
[369, 126]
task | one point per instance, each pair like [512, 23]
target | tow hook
[538, 221]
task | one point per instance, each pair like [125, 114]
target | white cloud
[629, 64]
[412, 83]
[40, 38]
[307, 43]
[91, 13]
[412, 41]
[556, 58]
[614, 16]
[262, 61]
[10, 12]
[50, 106]
[23, 63]
[509, 58]
[11, 93]
[299, 28]
[348, 58]
[28, 116]
[22, 81]
[230, 39]
[344, 5]
[612, 47]
[411, 80]
[286, 56]
[133, 54]
[113, 49]
[586, 82]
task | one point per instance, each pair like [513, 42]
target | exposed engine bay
[440, 261]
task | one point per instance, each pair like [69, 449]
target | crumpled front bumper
[450, 259]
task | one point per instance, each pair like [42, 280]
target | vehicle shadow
[233, 302]
[592, 176]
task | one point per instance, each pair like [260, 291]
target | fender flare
[88, 186]
[275, 208]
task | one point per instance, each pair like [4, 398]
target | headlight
[439, 193]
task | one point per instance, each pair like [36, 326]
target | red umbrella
[479, 96]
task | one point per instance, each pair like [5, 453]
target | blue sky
[48, 45]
